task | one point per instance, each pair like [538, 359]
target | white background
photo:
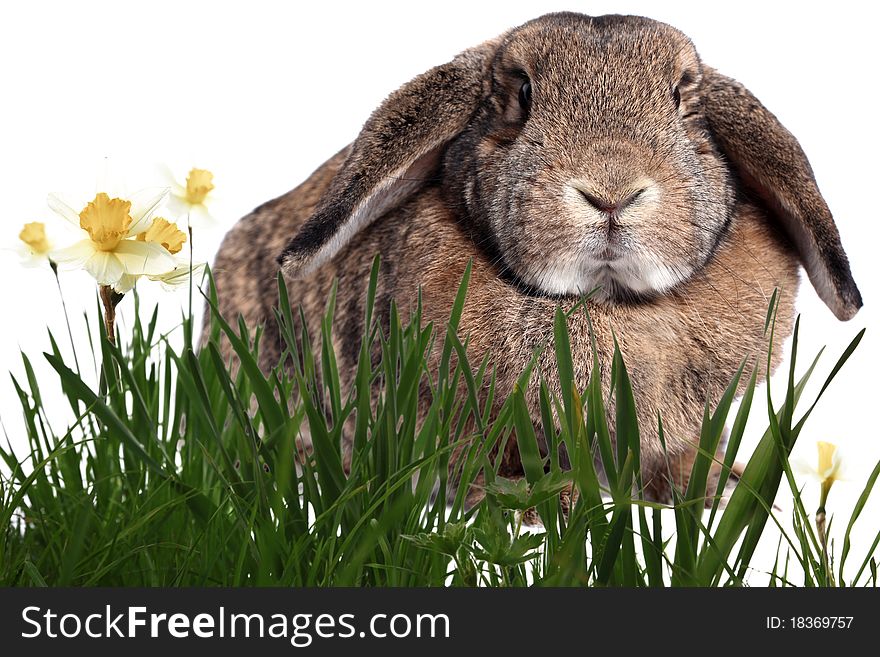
[261, 93]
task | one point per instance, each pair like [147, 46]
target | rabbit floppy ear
[770, 161]
[398, 148]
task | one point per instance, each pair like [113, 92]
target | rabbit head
[583, 154]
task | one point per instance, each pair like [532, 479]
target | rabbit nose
[608, 206]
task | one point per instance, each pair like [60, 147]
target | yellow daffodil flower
[163, 232]
[111, 247]
[827, 471]
[37, 240]
[193, 197]
[34, 236]
[34, 244]
[199, 183]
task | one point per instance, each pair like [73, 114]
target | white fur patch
[639, 275]
[638, 270]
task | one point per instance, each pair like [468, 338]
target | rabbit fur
[571, 154]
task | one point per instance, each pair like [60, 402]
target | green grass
[179, 473]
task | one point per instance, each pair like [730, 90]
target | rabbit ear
[770, 161]
[398, 148]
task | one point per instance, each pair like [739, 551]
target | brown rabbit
[570, 153]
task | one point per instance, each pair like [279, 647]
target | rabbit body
[685, 204]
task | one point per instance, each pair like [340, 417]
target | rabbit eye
[525, 96]
[676, 97]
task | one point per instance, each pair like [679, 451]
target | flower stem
[110, 298]
[190, 329]
[823, 541]
[66, 316]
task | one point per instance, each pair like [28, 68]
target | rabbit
[570, 155]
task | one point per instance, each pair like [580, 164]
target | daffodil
[34, 243]
[163, 232]
[828, 468]
[167, 235]
[111, 246]
[192, 197]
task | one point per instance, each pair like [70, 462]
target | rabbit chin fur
[569, 154]
[605, 266]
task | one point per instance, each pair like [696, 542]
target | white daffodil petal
[178, 207]
[181, 275]
[144, 258]
[65, 208]
[125, 283]
[839, 466]
[105, 267]
[803, 467]
[74, 256]
[143, 205]
[168, 176]
[27, 258]
[201, 218]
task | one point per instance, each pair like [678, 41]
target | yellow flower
[107, 251]
[106, 220]
[163, 232]
[828, 470]
[34, 237]
[193, 197]
[37, 240]
[198, 185]
[829, 461]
